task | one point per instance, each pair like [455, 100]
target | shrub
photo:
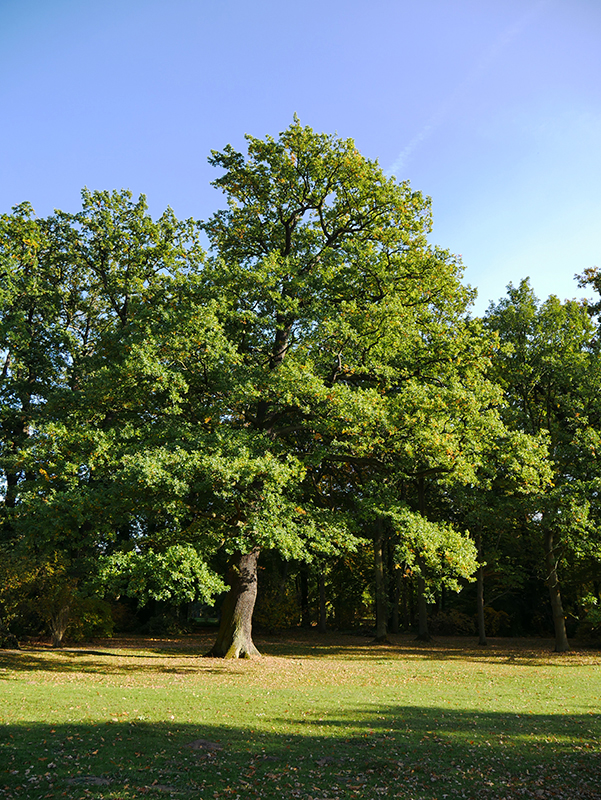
[589, 629]
[451, 623]
[163, 624]
[497, 623]
[276, 608]
[90, 617]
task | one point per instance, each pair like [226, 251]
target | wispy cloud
[476, 74]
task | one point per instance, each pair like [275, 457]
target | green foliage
[226, 403]
[317, 371]
[436, 551]
[163, 624]
[277, 608]
[548, 366]
[178, 575]
[589, 629]
[90, 618]
[349, 584]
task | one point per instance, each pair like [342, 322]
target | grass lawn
[317, 717]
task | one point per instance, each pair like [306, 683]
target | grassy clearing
[317, 717]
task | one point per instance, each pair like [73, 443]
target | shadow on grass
[186, 656]
[77, 661]
[404, 646]
[405, 752]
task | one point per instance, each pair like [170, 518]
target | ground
[317, 717]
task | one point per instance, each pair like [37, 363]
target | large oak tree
[357, 359]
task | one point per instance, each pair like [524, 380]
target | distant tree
[548, 368]
[513, 473]
[39, 300]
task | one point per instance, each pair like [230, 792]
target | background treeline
[306, 399]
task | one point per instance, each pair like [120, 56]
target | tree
[547, 366]
[104, 398]
[515, 470]
[32, 336]
[37, 298]
[350, 331]
[312, 378]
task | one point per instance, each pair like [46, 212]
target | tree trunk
[423, 634]
[58, 625]
[395, 622]
[480, 595]
[304, 597]
[407, 598]
[381, 604]
[394, 587]
[552, 581]
[323, 625]
[480, 588]
[8, 641]
[234, 639]
[11, 489]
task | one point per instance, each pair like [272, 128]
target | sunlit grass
[316, 717]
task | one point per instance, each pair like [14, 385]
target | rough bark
[381, 604]
[559, 621]
[234, 639]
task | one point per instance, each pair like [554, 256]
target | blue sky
[492, 107]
